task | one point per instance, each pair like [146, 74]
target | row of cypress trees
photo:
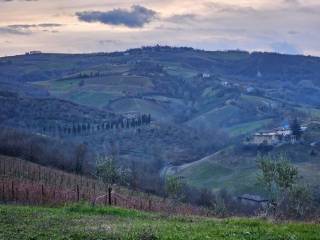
[87, 128]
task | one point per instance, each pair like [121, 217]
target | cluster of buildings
[273, 137]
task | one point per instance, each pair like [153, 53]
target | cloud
[13, 31]
[18, 0]
[136, 17]
[181, 18]
[26, 29]
[285, 48]
[294, 2]
[29, 26]
[229, 8]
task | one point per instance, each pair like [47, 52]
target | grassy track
[84, 222]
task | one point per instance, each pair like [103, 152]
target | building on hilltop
[33, 53]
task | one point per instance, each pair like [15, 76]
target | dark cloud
[285, 48]
[136, 17]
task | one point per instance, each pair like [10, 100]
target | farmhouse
[270, 138]
[273, 137]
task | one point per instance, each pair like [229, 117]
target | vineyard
[29, 183]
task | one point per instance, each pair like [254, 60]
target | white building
[273, 137]
[206, 75]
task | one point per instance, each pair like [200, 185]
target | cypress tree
[296, 129]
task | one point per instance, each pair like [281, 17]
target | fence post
[12, 190]
[150, 204]
[105, 199]
[54, 195]
[78, 193]
[3, 193]
[27, 195]
[42, 194]
[109, 195]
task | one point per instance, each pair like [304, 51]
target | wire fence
[29, 183]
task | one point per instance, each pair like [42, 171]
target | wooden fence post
[78, 193]
[42, 194]
[150, 204]
[27, 195]
[12, 190]
[105, 199]
[3, 193]
[109, 195]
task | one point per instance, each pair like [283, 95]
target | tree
[80, 155]
[107, 170]
[280, 179]
[277, 175]
[296, 129]
[174, 186]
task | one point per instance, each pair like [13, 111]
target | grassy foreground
[84, 222]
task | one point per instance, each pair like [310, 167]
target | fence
[30, 183]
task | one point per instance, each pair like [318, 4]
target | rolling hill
[201, 103]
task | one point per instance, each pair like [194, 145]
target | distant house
[273, 137]
[225, 84]
[33, 53]
[206, 75]
[267, 138]
[250, 89]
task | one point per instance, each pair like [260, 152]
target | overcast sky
[77, 26]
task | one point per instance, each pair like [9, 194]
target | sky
[81, 26]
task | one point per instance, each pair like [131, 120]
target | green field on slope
[84, 222]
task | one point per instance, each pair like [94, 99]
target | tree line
[87, 128]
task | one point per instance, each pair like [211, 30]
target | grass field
[247, 128]
[216, 176]
[85, 222]
[236, 170]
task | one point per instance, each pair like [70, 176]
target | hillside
[235, 91]
[223, 169]
[23, 182]
[84, 222]
[201, 104]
